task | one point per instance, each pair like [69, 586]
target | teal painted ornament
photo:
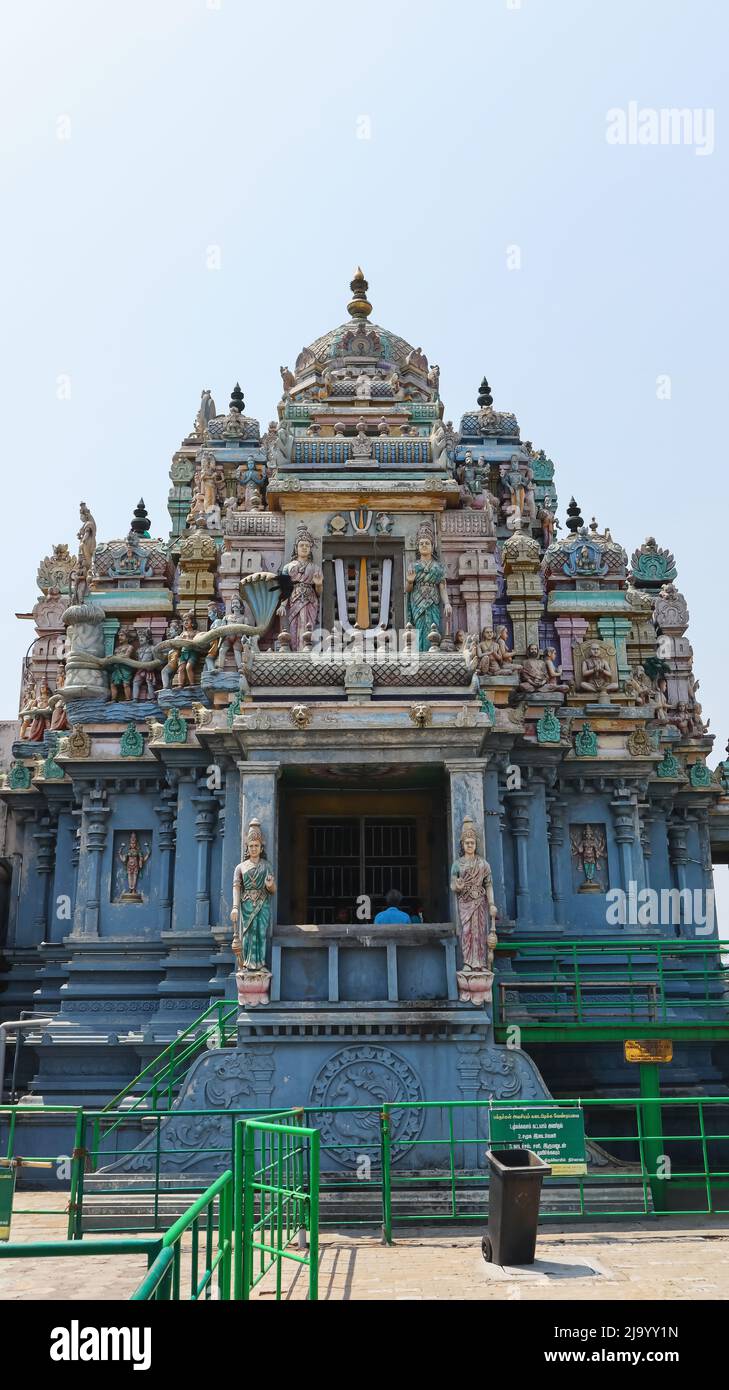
[234, 710]
[48, 768]
[699, 775]
[586, 742]
[669, 766]
[19, 777]
[132, 742]
[175, 728]
[548, 728]
[487, 706]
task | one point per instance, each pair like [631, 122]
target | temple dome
[359, 340]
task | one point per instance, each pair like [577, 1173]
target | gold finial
[359, 307]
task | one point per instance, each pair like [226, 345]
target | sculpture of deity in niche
[472, 884]
[589, 851]
[134, 858]
[425, 583]
[301, 609]
[253, 887]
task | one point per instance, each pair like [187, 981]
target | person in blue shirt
[393, 912]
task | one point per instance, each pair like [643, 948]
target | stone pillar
[466, 783]
[166, 812]
[569, 631]
[94, 829]
[556, 811]
[645, 820]
[259, 801]
[206, 813]
[494, 845]
[518, 806]
[45, 856]
[679, 857]
[231, 835]
[478, 581]
[623, 820]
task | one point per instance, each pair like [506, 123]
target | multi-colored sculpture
[425, 583]
[301, 609]
[472, 884]
[253, 888]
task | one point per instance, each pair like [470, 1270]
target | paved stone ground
[631, 1260]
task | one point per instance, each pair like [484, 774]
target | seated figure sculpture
[597, 674]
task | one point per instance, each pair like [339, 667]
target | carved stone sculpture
[595, 667]
[134, 859]
[253, 887]
[425, 583]
[301, 609]
[472, 884]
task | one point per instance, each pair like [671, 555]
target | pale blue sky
[195, 125]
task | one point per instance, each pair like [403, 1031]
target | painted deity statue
[189, 658]
[232, 643]
[253, 886]
[425, 583]
[472, 883]
[121, 675]
[596, 671]
[169, 670]
[301, 609]
[134, 859]
[145, 678]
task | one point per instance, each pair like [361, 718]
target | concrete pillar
[466, 799]
[518, 803]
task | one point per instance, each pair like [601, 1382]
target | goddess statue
[472, 883]
[301, 610]
[425, 583]
[253, 886]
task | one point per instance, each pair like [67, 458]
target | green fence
[195, 1254]
[401, 1163]
[579, 983]
[210, 1250]
[276, 1202]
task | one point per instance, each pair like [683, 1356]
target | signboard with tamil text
[555, 1133]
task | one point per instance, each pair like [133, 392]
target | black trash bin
[515, 1187]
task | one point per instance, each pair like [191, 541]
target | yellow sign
[648, 1050]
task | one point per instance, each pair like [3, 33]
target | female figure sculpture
[301, 610]
[425, 582]
[253, 885]
[472, 883]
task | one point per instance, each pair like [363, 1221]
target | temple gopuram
[366, 673]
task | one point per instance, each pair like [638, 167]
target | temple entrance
[357, 844]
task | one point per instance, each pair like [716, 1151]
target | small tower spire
[359, 306]
[140, 521]
[484, 397]
[236, 399]
[574, 517]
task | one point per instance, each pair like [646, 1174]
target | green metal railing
[276, 1202]
[161, 1077]
[548, 986]
[210, 1250]
[653, 1155]
[197, 1250]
